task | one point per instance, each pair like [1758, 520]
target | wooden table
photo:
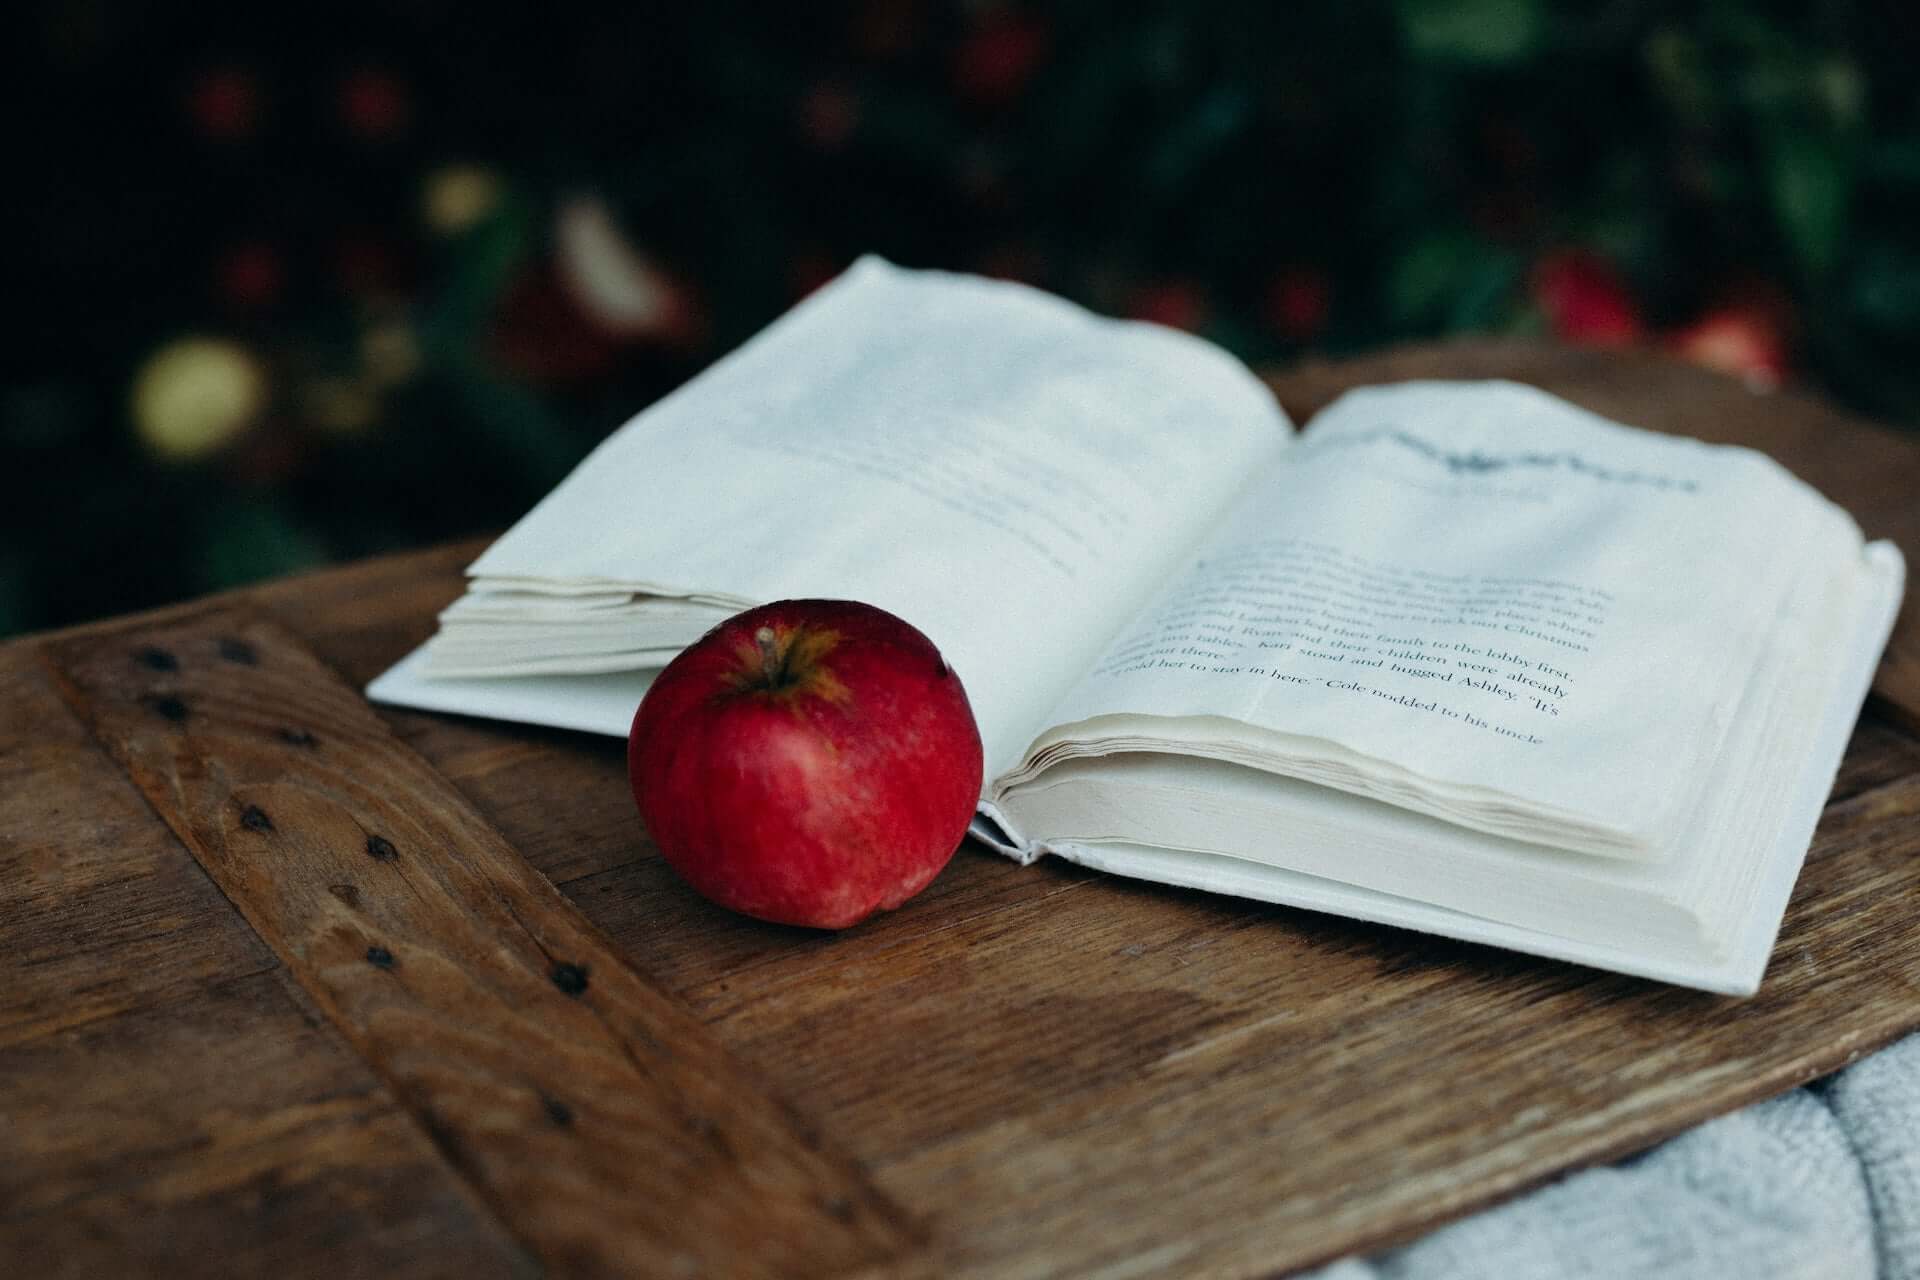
[292, 986]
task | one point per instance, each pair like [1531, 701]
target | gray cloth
[1822, 1183]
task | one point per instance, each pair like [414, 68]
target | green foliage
[1485, 32]
[247, 539]
[1286, 178]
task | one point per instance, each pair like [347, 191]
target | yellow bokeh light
[195, 395]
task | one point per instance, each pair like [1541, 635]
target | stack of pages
[1461, 657]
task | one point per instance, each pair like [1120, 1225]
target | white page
[1744, 799]
[1481, 587]
[1009, 473]
[1733, 967]
[601, 703]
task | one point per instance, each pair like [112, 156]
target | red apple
[1745, 341]
[1177, 304]
[1586, 300]
[995, 61]
[1298, 300]
[807, 762]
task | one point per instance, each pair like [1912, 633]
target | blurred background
[303, 283]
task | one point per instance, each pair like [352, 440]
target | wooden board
[1025, 1071]
[167, 1104]
[605, 1128]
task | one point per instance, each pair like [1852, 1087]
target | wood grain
[167, 1104]
[102, 913]
[601, 1123]
[224, 1130]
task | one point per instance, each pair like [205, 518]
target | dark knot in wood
[570, 978]
[157, 659]
[254, 818]
[168, 707]
[238, 651]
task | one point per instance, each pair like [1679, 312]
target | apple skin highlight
[807, 762]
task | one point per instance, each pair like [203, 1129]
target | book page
[1706, 916]
[1478, 601]
[1007, 472]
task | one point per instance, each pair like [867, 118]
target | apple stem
[769, 654]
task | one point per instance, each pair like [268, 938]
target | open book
[1460, 657]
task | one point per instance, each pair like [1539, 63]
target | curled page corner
[991, 828]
